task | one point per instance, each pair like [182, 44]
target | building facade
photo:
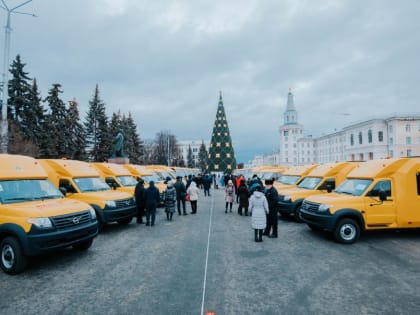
[394, 136]
[195, 148]
[290, 133]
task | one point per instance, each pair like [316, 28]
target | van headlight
[110, 203]
[287, 198]
[324, 208]
[92, 214]
[42, 223]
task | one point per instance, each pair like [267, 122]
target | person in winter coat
[151, 200]
[272, 198]
[243, 195]
[207, 180]
[170, 198]
[138, 193]
[181, 192]
[229, 195]
[193, 192]
[259, 208]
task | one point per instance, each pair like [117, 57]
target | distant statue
[118, 149]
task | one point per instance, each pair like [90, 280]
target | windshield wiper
[345, 192]
[20, 198]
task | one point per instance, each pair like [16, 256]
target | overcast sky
[165, 61]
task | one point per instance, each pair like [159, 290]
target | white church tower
[290, 133]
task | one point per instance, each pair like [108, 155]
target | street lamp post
[5, 93]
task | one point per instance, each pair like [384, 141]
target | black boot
[170, 216]
[256, 235]
[260, 232]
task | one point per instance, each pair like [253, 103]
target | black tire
[125, 221]
[296, 215]
[84, 245]
[12, 260]
[347, 231]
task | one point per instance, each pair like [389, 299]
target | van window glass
[353, 186]
[381, 185]
[22, 190]
[310, 182]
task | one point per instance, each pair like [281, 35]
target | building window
[408, 128]
[380, 136]
[409, 152]
[391, 140]
[351, 139]
[370, 136]
[352, 157]
[370, 155]
[360, 138]
[286, 145]
[407, 140]
[361, 157]
[286, 133]
[390, 128]
[391, 153]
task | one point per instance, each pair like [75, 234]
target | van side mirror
[329, 187]
[382, 195]
[63, 190]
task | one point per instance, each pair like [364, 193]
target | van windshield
[86, 184]
[310, 182]
[13, 191]
[353, 186]
[289, 179]
[127, 181]
[154, 177]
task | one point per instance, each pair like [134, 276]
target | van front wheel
[347, 231]
[12, 261]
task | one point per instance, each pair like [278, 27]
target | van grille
[124, 203]
[71, 220]
[310, 206]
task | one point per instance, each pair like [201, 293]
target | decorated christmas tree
[221, 153]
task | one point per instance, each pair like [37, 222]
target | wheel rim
[347, 232]
[7, 256]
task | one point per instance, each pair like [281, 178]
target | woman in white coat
[259, 207]
[193, 191]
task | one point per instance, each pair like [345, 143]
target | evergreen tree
[135, 147]
[190, 160]
[98, 138]
[33, 116]
[19, 88]
[55, 124]
[221, 156]
[202, 157]
[76, 133]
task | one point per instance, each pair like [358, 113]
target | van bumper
[287, 207]
[115, 214]
[323, 221]
[38, 241]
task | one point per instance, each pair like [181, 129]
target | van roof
[138, 170]
[20, 167]
[300, 170]
[72, 168]
[330, 169]
[380, 168]
[111, 169]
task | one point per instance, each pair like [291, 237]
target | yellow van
[379, 194]
[293, 176]
[322, 179]
[34, 216]
[116, 176]
[80, 180]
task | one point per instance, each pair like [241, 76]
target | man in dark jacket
[151, 200]
[181, 192]
[272, 197]
[139, 194]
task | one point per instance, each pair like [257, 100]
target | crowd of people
[253, 198]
